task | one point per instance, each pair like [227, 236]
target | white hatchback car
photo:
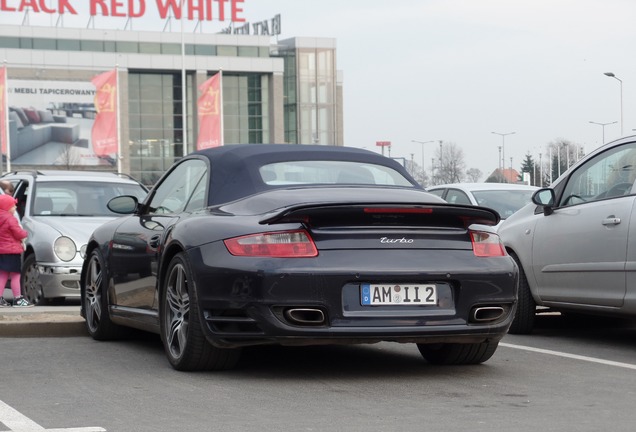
[505, 198]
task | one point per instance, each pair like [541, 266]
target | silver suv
[60, 210]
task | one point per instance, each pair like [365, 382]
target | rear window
[331, 172]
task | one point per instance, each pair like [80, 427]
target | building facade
[284, 92]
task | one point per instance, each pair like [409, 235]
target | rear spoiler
[434, 215]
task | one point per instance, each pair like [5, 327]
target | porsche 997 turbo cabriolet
[246, 245]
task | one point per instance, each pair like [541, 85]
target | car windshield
[505, 202]
[74, 198]
[330, 172]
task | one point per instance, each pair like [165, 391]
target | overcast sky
[458, 70]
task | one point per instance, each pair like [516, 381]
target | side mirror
[544, 198]
[125, 204]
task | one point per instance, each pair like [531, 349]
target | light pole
[611, 75]
[422, 142]
[603, 126]
[499, 161]
[441, 165]
[503, 147]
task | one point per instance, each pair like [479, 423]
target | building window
[310, 99]
[155, 123]
[44, 44]
[245, 108]
[227, 51]
[150, 48]
[68, 45]
[170, 48]
[9, 42]
[92, 45]
[127, 47]
[205, 50]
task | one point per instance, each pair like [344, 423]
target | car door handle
[611, 220]
[154, 241]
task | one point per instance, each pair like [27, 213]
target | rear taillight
[486, 244]
[282, 244]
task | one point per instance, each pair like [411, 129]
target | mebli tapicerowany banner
[50, 123]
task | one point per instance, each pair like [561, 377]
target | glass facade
[260, 104]
[131, 47]
[310, 96]
[245, 108]
[155, 118]
[155, 123]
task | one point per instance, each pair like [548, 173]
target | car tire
[523, 321]
[95, 300]
[183, 339]
[32, 288]
[457, 354]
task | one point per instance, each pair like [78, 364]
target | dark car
[298, 245]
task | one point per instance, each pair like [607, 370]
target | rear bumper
[247, 302]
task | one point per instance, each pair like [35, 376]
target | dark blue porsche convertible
[297, 245]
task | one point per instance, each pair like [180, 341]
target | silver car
[576, 244]
[505, 198]
[60, 210]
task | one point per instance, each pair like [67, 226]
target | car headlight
[64, 248]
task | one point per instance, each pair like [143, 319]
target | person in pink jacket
[11, 236]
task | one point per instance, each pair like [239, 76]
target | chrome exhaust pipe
[487, 313]
[305, 316]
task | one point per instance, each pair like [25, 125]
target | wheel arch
[169, 253]
[527, 271]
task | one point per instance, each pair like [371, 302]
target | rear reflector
[282, 244]
[486, 244]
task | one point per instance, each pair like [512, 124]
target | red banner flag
[3, 109]
[104, 135]
[209, 108]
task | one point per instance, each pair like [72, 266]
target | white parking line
[572, 356]
[18, 422]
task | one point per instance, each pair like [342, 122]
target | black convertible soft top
[235, 168]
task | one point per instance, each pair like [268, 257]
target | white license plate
[398, 294]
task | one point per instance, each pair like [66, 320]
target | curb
[40, 321]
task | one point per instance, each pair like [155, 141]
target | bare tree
[473, 174]
[68, 157]
[564, 154]
[450, 163]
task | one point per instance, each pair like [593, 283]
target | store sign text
[262, 28]
[200, 10]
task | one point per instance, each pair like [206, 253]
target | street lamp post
[603, 126]
[503, 147]
[611, 75]
[441, 165]
[422, 142]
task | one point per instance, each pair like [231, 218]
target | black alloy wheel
[185, 344]
[95, 300]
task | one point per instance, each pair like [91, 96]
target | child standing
[11, 236]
